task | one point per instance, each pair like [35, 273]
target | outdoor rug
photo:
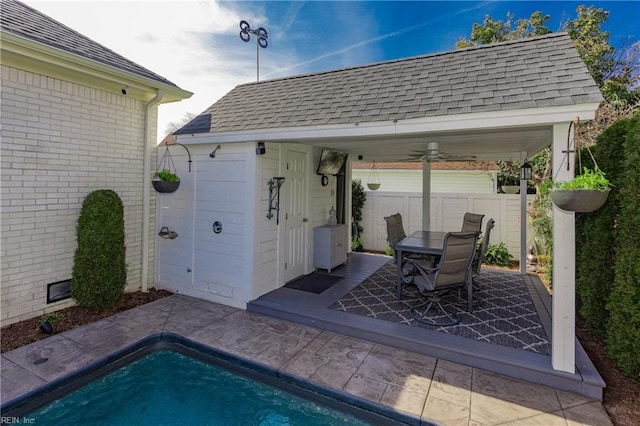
[504, 315]
[315, 282]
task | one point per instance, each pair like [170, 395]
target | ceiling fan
[433, 153]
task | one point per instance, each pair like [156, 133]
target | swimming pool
[170, 383]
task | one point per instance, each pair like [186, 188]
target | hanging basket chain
[569, 150]
[166, 162]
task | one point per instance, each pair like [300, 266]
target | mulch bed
[22, 333]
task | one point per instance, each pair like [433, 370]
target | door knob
[305, 220]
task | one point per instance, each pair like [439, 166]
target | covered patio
[526, 363]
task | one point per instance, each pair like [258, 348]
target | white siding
[60, 141]
[218, 189]
[447, 211]
[447, 181]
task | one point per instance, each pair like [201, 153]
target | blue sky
[196, 44]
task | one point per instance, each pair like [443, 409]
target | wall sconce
[260, 148]
[274, 197]
[213, 153]
[526, 171]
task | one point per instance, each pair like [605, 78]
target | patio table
[424, 242]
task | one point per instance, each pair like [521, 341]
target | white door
[295, 190]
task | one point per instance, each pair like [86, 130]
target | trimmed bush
[99, 269]
[623, 327]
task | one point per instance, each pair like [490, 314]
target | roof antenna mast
[261, 41]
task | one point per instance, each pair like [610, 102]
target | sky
[196, 44]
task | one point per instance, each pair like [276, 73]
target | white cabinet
[329, 246]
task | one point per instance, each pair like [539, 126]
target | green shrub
[388, 251]
[498, 254]
[99, 269]
[595, 239]
[52, 318]
[623, 326]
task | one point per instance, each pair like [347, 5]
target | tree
[496, 31]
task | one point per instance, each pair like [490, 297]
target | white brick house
[69, 129]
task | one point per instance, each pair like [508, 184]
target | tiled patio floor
[425, 387]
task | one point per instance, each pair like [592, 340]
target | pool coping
[316, 392]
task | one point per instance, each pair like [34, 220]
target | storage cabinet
[329, 246]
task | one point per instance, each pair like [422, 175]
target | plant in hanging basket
[586, 193]
[165, 181]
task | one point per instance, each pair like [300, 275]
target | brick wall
[60, 141]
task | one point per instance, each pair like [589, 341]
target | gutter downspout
[146, 188]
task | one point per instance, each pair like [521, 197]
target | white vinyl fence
[447, 211]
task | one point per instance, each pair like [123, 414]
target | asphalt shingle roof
[24, 21]
[543, 71]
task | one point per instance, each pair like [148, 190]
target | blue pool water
[169, 388]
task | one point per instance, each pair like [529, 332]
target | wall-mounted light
[274, 197]
[260, 148]
[213, 153]
[526, 171]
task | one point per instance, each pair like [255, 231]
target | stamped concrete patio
[425, 388]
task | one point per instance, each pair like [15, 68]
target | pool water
[169, 388]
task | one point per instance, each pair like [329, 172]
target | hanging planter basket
[164, 186]
[374, 181]
[165, 179]
[579, 200]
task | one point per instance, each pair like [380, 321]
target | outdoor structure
[475, 177]
[76, 117]
[504, 101]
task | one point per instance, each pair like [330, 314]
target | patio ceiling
[484, 144]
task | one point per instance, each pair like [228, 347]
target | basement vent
[58, 291]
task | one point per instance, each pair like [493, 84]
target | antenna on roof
[261, 41]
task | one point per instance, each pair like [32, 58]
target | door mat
[314, 283]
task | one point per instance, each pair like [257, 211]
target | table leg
[470, 294]
[399, 268]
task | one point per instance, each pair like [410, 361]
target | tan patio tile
[346, 348]
[105, 337]
[247, 343]
[304, 364]
[487, 386]
[397, 372]
[334, 373]
[319, 341]
[404, 399]
[279, 352]
[209, 334]
[305, 332]
[446, 412]
[152, 320]
[570, 399]
[63, 356]
[187, 322]
[592, 413]
[183, 303]
[489, 410]
[16, 380]
[453, 385]
[443, 364]
[397, 354]
[366, 388]
[543, 419]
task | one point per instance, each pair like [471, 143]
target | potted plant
[48, 322]
[165, 181]
[509, 177]
[586, 193]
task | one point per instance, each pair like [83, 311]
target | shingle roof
[22, 20]
[528, 73]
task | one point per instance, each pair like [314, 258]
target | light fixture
[374, 181]
[213, 153]
[274, 197]
[260, 148]
[526, 171]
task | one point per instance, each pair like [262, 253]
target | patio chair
[472, 222]
[481, 253]
[395, 233]
[452, 272]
